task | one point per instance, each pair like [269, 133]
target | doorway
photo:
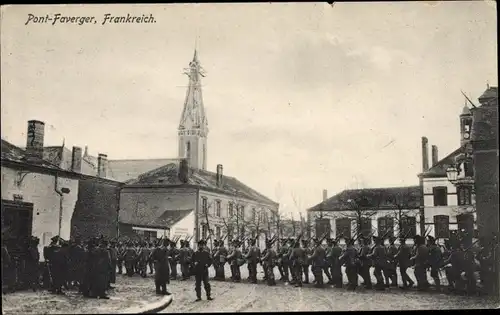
[17, 221]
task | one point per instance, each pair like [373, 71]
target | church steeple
[193, 126]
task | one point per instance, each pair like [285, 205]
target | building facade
[44, 200]
[376, 211]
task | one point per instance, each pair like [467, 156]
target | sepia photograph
[249, 157]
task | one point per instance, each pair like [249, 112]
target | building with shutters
[373, 211]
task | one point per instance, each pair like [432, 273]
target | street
[246, 297]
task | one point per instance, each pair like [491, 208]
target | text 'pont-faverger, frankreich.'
[107, 18]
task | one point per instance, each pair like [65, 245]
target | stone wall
[96, 209]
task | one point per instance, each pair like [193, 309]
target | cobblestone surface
[128, 292]
[246, 297]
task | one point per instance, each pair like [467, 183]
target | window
[204, 205]
[230, 232]
[366, 226]
[204, 231]
[386, 226]
[409, 225]
[464, 195]
[254, 214]
[217, 208]
[441, 226]
[343, 227]
[188, 150]
[322, 227]
[218, 232]
[469, 169]
[242, 212]
[230, 209]
[440, 196]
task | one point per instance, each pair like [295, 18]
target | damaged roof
[15, 154]
[168, 175]
[390, 198]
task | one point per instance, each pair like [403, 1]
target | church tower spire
[193, 126]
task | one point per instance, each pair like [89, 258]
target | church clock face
[466, 135]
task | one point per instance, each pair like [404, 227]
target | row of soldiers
[294, 259]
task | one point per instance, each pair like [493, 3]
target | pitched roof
[372, 199]
[124, 170]
[13, 153]
[439, 170]
[157, 217]
[168, 175]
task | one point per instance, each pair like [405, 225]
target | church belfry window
[188, 149]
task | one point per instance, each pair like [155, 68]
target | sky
[300, 97]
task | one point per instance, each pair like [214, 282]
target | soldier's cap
[55, 238]
[430, 238]
[201, 242]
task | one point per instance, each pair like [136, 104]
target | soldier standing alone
[201, 261]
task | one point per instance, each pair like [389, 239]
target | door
[17, 220]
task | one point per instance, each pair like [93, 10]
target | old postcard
[249, 157]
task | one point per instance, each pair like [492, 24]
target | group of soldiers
[294, 258]
[92, 267]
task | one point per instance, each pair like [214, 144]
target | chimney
[325, 194]
[434, 155]
[219, 175]
[76, 160]
[86, 153]
[34, 139]
[184, 171]
[425, 154]
[102, 165]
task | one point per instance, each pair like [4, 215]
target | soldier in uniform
[120, 251]
[143, 257]
[6, 268]
[183, 261]
[333, 257]
[31, 265]
[48, 255]
[129, 257]
[420, 262]
[113, 255]
[365, 262]
[252, 258]
[269, 260]
[435, 261]
[291, 243]
[308, 251]
[160, 257]
[202, 260]
[234, 258]
[100, 263]
[392, 250]
[151, 264]
[349, 258]
[283, 261]
[318, 259]
[173, 262]
[297, 258]
[403, 260]
[222, 252]
[379, 260]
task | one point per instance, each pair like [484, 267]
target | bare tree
[361, 212]
[404, 203]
